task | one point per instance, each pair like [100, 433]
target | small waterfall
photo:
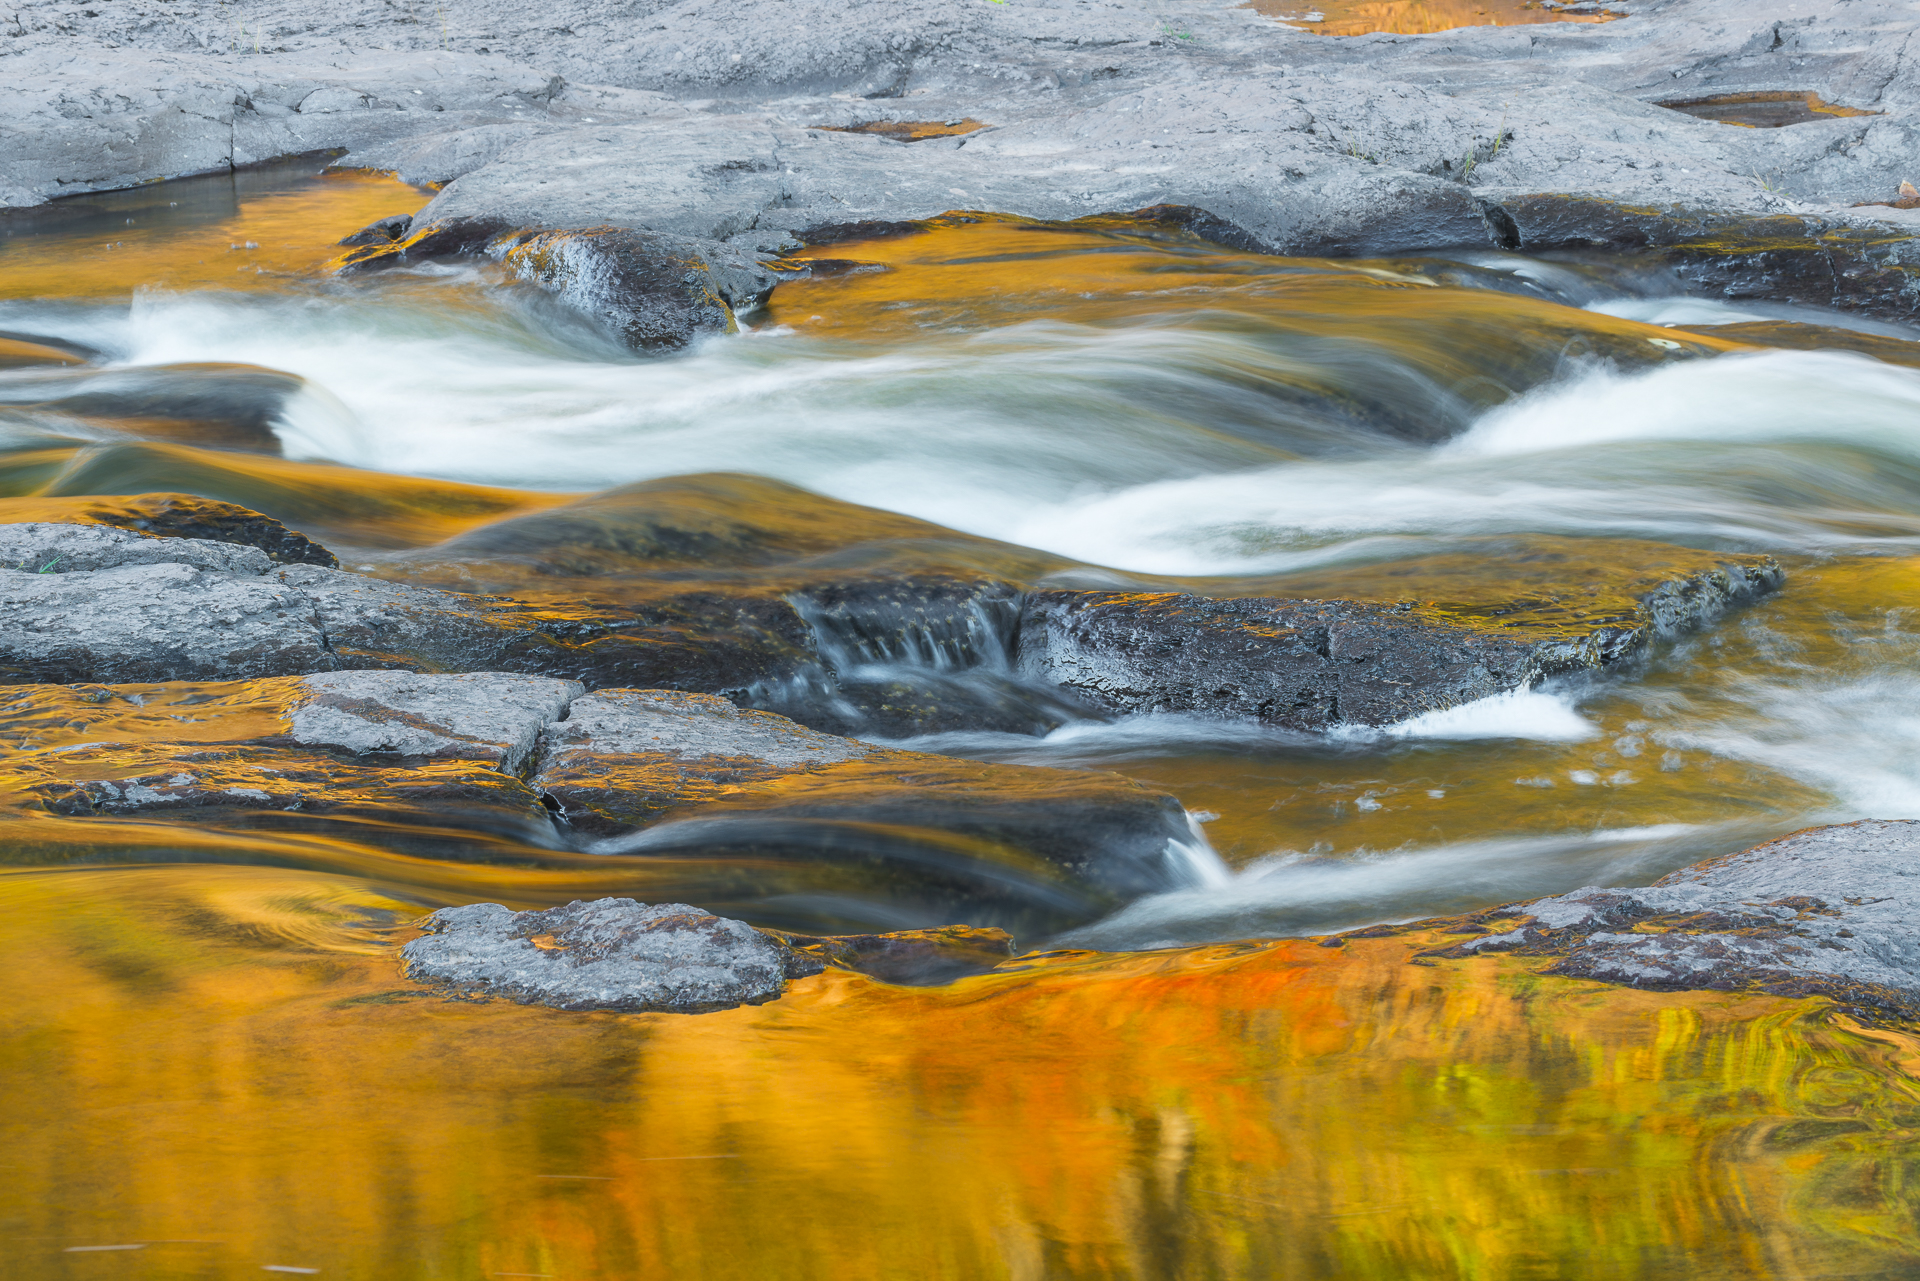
[1195, 863]
[905, 658]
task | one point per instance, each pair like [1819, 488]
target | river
[1129, 407]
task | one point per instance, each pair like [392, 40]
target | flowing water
[1107, 402]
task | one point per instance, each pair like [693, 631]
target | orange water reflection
[1417, 17]
[222, 1065]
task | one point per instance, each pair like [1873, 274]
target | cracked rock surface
[1829, 911]
[1314, 664]
[88, 603]
[717, 120]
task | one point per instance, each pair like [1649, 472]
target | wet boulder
[165, 515]
[381, 231]
[656, 291]
[709, 520]
[609, 954]
[1314, 664]
[1829, 911]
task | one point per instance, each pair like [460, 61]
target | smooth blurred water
[1237, 416]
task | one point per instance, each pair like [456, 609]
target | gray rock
[657, 292]
[192, 609]
[1311, 665]
[183, 516]
[479, 716]
[695, 118]
[42, 548]
[1828, 911]
[427, 751]
[610, 954]
[690, 727]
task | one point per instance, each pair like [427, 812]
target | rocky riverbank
[680, 147]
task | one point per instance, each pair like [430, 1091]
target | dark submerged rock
[743, 810]
[695, 771]
[218, 406]
[658, 292]
[914, 958]
[381, 231]
[610, 954]
[19, 352]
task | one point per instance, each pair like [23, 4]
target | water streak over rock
[1829, 911]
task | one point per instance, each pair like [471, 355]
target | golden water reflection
[223, 1066]
[248, 230]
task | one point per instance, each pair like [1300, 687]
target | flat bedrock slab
[697, 119]
[480, 716]
[1830, 911]
[609, 954]
[883, 652]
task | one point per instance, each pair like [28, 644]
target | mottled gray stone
[623, 722]
[484, 716]
[44, 548]
[694, 117]
[192, 609]
[1829, 911]
[610, 954]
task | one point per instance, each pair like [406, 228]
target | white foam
[1291, 893]
[1775, 396]
[1519, 713]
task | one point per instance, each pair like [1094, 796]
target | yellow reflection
[247, 230]
[223, 1066]
[330, 503]
[969, 272]
[1416, 17]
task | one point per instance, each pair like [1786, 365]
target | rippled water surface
[1110, 402]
